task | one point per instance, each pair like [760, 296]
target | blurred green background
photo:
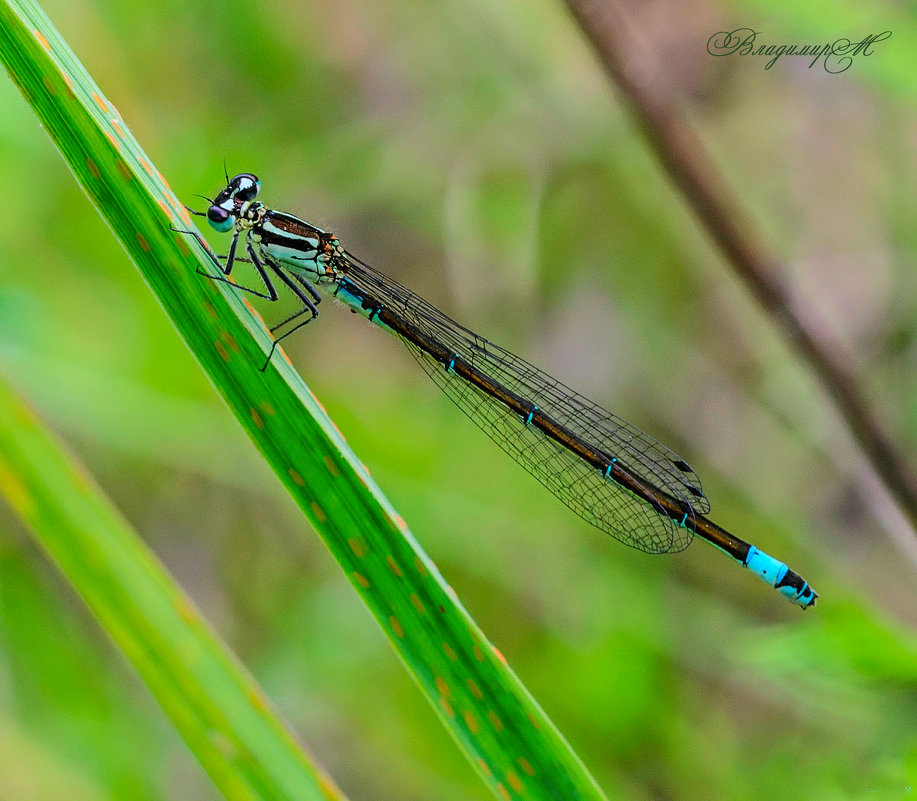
[475, 152]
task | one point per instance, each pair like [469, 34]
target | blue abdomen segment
[350, 295]
[789, 584]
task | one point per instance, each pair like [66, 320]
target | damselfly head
[231, 202]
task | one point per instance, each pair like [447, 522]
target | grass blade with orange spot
[509, 740]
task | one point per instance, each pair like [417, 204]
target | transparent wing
[585, 490]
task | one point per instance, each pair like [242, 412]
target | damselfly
[607, 471]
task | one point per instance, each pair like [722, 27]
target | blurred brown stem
[692, 170]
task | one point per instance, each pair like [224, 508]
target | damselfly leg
[306, 309]
[226, 269]
[316, 296]
[309, 303]
[293, 330]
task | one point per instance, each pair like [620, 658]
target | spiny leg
[312, 291]
[293, 330]
[230, 260]
[231, 256]
[272, 293]
[202, 242]
[279, 272]
[214, 258]
[309, 288]
[292, 317]
[305, 281]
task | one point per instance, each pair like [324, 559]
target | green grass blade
[509, 740]
[219, 710]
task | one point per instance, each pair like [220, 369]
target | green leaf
[219, 710]
[509, 740]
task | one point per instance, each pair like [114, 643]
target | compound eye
[219, 219]
[247, 186]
